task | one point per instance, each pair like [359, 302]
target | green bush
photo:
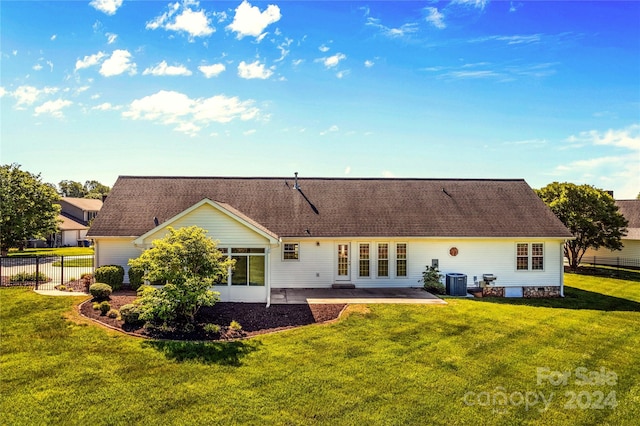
[135, 277]
[110, 274]
[104, 307]
[113, 313]
[96, 306]
[212, 328]
[432, 280]
[235, 326]
[130, 314]
[29, 276]
[100, 291]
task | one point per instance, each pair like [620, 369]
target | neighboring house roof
[630, 209]
[86, 204]
[68, 224]
[331, 207]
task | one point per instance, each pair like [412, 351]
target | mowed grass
[62, 251]
[380, 364]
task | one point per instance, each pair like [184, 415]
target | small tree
[189, 263]
[432, 280]
[590, 214]
[27, 208]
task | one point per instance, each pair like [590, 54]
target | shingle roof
[69, 224]
[630, 209]
[87, 204]
[330, 207]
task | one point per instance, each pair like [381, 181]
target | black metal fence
[43, 272]
[614, 262]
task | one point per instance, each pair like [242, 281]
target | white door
[343, 268]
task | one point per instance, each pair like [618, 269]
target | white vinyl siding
[116, 251]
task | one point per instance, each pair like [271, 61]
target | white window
[401, 259]
[530, 256]
[291, 251]
[383, 260]
[249, 269]
[364, 260]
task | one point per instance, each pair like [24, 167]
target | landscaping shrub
[235, 326]
[136, 277]
[432, 280]
[113, 313]
[110, 274]
[100, 291]
[86, 280]
[29, 276]
[104, 307]
[130, 313]
[62, 287]
[96, 306]
[212, 328]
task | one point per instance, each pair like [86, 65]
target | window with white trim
[364, 261]
[530, 256]
[401, 259]
[249, 269]
[291, 251]
[383, 260]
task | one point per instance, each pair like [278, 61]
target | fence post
[37, 271]
[61, 270]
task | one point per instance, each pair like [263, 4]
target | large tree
[189, 263]
[27, 208]
[590, 214]
[90, 189]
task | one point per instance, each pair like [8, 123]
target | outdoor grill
[488, 279]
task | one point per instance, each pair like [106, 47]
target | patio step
[343, 285]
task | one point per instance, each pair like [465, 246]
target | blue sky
[545, 91]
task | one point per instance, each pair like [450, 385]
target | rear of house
[327, 232]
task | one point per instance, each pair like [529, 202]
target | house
[75, 217]
[630, 253]
[332, 232]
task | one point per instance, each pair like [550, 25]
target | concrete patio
[283, 296]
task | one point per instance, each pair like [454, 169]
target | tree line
[28, 206]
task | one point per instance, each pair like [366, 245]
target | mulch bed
[255, 318]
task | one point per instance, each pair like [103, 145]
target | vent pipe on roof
[296, 186]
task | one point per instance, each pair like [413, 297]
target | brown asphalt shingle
[630, 209]
[329, 207]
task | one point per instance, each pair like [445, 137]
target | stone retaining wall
[538, 292]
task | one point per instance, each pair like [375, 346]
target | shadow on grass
[223, 353]
[574, 298]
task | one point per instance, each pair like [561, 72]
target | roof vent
[295, 185]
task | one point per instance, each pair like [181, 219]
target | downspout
[268, 274]
[562, 268]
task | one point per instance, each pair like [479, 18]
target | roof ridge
[397, 179]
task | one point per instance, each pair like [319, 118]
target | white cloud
[369, 63]
[111, 38]
[90, 60]
[347, 170]
[323, 49]
[253, 70]
[249, 21]
[297, 62]
[3, 92]
[118, 63]
[342, 74]
[50, 65]
[213, 70]
[510, 39]
[388, 174]
[37, 67]
[188, 115]
[478, 4]
[53, 37]
[620, 172]
[399, 32]
[27, 95]
[106, 107]
[106, 6]
[332, 61]
[331, 129]
[182, 18]
[435, 18]
[249, 132]
[53, 107]
[162, 69]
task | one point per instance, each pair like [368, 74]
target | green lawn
[62, 251]
[382, 364]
